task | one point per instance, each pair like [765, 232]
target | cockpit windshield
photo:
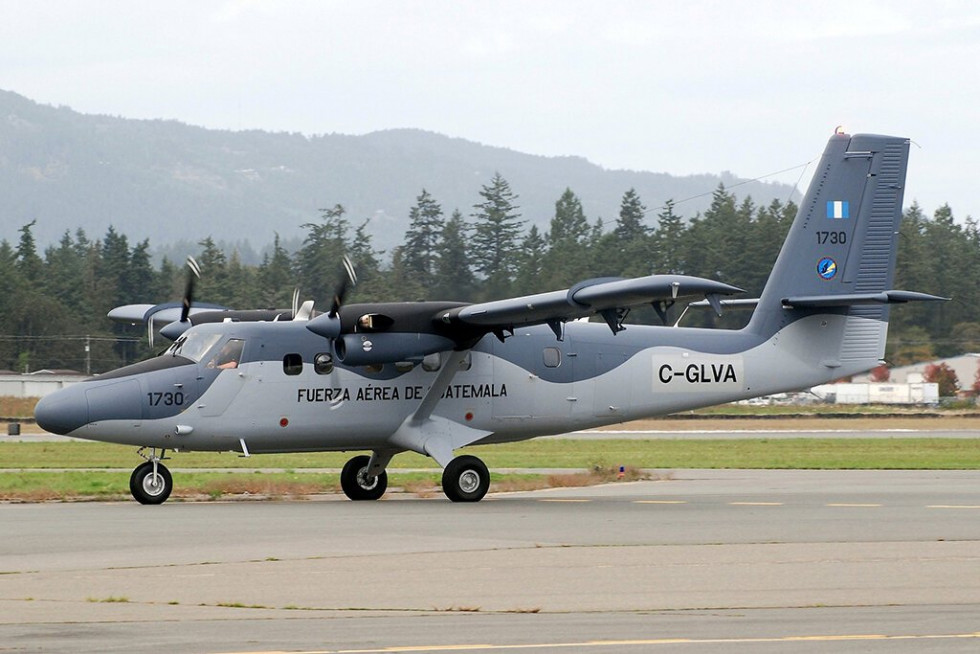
[193, 345]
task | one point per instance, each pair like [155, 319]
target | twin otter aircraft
[433, 377]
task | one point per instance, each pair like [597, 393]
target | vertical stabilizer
[839, 255]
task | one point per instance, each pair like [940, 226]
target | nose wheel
[151, 482]
[358, 484]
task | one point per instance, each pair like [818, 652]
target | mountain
[169, 182]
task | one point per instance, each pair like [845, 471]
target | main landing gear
[151, 482]
[465, 479]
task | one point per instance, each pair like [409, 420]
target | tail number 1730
[175, 398]
[833, 238]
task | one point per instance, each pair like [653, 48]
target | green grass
[830, 453]
[917, 453]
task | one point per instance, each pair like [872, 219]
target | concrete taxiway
[700, 561]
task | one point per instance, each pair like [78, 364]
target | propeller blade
[295, 301]
[195, 272]
[346, 283]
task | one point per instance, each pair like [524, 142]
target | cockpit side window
[229, 355]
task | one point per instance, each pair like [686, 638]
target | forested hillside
[56, 298]
[172, 182]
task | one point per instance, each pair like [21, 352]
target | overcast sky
[681, 87]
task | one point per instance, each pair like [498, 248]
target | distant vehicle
[433, 377]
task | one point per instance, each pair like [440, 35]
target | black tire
[147, 491]
[465, 479]
[356, 486]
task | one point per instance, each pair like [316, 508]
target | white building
[965, 367]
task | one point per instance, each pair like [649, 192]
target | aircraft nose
[63, 411]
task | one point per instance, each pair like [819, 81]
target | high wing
[609, 297]
[408, 331]
[157, 314]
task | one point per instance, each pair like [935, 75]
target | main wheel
[357, 485]
[465, 479]
[148, 488]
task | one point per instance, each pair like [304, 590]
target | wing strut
[436, 436]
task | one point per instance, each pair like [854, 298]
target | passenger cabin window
[229, 356]
[552, 357]
[292, 364]
[323, 363]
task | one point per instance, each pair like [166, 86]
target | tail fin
[839, 255]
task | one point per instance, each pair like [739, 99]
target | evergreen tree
[115, 268]
[405, 282]
[141, 279]
[567, 260]
[371, 284]
[318, 261]
[632, 242]
[418, 255]
[453, 278]
[29, 264]
[275, 277]
[629, 224]
[496, 235]
[531, 261]
[214, 284]
[668, 242]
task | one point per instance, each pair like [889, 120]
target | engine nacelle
[388, 347]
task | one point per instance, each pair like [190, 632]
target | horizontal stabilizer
[848, 300]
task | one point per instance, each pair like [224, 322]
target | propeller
[328, 324]
[348, 280]
[194, 273]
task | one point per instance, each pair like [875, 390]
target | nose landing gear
[151, 482]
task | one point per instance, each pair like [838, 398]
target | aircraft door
[610, 391]
[537, 378]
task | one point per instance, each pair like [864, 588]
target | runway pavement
[701, 561]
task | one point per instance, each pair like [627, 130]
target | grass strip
[99, 485]
[604, 456]
[803, 453]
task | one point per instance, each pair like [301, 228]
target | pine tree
[29, 264]
[275, 277]
[496, 235]
[568, 259]
[453, 278]
[318, 262]
[633, 242]
[531, 261]
[669, 242]
[418, 255]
